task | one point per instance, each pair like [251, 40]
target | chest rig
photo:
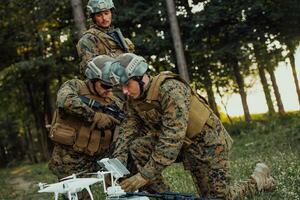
[81, 136]
[109, 45]
[150, 111]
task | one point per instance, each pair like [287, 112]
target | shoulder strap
[100, 35]
[83, 89]
[96, 33]
[156, 83]
[158, 80]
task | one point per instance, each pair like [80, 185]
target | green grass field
[274, 141]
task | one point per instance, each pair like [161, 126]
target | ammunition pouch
[68, 130]
[93, 141]
[63, 134]
[198, 116]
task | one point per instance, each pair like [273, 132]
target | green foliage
[274, 141]
[38, 49]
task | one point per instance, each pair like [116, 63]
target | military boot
[264, 181]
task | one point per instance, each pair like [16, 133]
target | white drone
[71, 185]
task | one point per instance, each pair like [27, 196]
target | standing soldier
[167, 120]
[82, 135]
[101, 38]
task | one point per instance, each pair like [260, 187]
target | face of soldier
[102, 90]
[132, 89]
[103, 19]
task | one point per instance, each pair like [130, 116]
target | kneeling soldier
[167, 120]
[82, 135]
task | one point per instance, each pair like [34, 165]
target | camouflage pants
[65, 161]
[207, 158]
[140, 152]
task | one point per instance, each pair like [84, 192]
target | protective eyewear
[106, 87]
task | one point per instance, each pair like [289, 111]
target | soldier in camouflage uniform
[101, 38]
[81, 134]
[167, 120]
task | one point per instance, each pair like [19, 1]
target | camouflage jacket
[69, 103]
[96, 41]
[169, 129]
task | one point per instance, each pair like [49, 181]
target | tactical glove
[133, 183]
[103, 120]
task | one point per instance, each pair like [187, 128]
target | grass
[274, 141]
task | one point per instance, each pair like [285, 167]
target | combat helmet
[96, 6]
[128, 66]
[98, 68]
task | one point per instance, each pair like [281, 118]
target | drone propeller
[73, 176]
[99, 174]
[42, 185]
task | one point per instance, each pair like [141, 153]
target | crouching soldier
[167, 120]
[82, 135]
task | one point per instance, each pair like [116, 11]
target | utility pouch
[198, 115]
[82, 139]
[105, 141]
[93, 145]
[62, 134]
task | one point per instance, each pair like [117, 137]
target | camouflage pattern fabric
[95, 42]
[154, 147]
[207, 157]
[69, 102]
[65, 162]
[140, 151]
[174, 98]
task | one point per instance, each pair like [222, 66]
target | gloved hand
[133, 183]
[104, 121]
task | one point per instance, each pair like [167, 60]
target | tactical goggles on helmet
[99, 69]
[96, 72]
[118, 75]
[105, 86]
[127, 66]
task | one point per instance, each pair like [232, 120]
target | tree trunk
[210, 95]
[47, 108]
[40, 125]
[29, 142]
[240, 82]
[3, 156]
[224, 105]
[175, 32]
[266, 89]
[78, 15]
[276, 92]
[293, 65]
[263, 79]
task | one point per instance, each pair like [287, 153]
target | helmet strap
[141, 83]
[93, 81]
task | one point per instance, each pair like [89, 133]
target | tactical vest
[151, 113]
[74, 132]
[107, 45]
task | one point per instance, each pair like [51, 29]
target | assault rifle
[168, 196]
[111, 109]
[118, 37]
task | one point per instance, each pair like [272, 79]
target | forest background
[224, 43]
